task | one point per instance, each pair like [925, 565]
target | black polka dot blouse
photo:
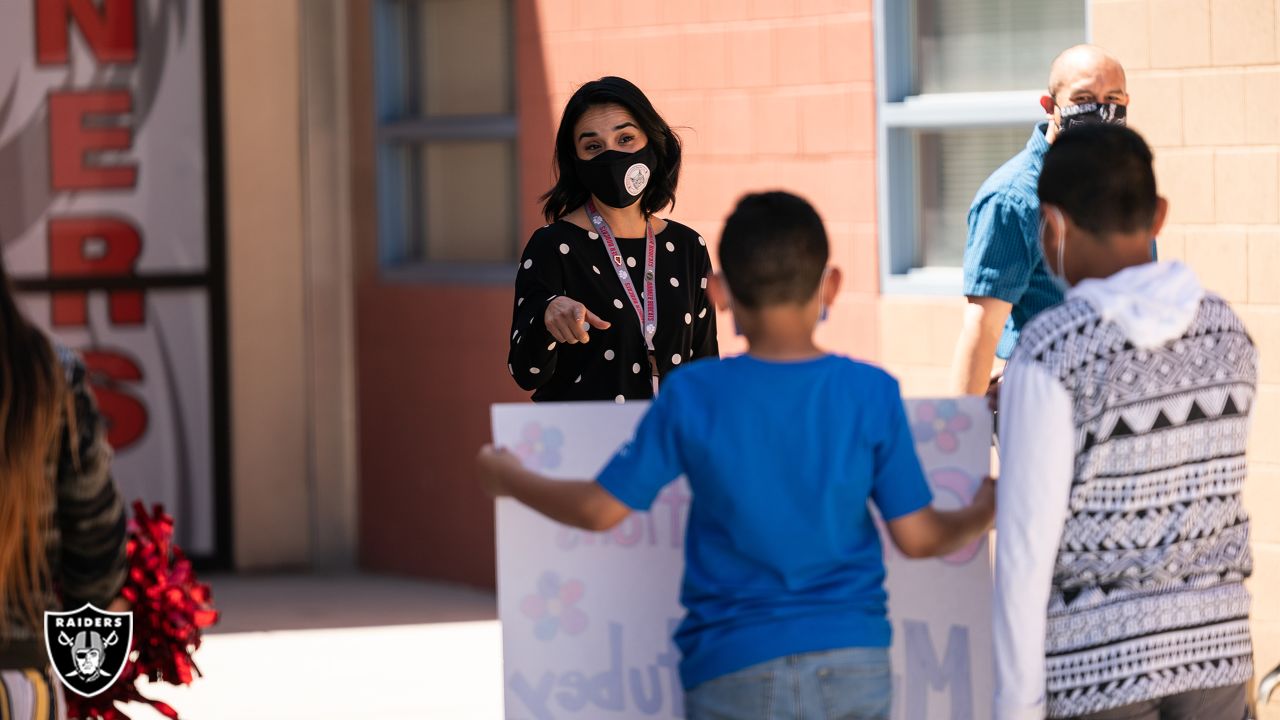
[564, 259]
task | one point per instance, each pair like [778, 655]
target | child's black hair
[1101, 177]
[773, 250]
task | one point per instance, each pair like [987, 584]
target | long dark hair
[568, 194]
[32, 402]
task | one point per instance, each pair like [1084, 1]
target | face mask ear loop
[822, 287]
[1062, 244]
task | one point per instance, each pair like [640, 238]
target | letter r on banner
[80, 247]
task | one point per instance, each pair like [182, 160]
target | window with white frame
[446, 137]
[958, 84]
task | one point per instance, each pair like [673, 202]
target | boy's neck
[782, 333]
[1120, 253]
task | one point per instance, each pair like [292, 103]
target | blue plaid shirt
[1002, 257]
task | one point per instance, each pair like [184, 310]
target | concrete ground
[351, 646]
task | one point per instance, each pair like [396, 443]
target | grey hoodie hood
[1152, 303]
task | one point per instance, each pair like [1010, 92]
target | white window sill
[931, 281]
[951, 110]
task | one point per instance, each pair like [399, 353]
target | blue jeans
[847, 684]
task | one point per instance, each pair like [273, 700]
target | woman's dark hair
[569, 193]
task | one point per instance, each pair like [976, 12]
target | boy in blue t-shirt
[783, 448]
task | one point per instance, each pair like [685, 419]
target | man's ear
[1047, 104]
[718, 291]
[1162, 212]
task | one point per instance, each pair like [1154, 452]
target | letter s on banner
[126, 416]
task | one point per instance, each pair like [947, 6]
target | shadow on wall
[432, 357]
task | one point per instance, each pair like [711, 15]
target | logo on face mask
[636, 179]
[1093, 114]
[88, 647]
[617, 178]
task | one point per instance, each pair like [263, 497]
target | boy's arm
[929, 533]
[1037, 442]
[578, 503]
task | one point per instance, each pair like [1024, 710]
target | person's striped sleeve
[90, 513]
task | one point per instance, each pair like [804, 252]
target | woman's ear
[718, 291]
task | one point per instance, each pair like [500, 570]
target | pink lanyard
[648, 312]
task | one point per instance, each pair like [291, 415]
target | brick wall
[766, 94]
[1204, 76]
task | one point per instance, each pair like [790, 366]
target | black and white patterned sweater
[1147, 596]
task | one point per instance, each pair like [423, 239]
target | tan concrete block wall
[1204, 76]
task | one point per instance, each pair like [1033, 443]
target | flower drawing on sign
[540, 446]
[553, 608]
[954, 489]
[940, 423]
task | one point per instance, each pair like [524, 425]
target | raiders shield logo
[88, 647]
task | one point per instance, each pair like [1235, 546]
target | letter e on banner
[111, 32]
[70, 141]
[126, 415]
[100, 246]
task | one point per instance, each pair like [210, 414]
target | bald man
[1005, 279]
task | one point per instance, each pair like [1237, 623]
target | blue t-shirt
[781, 553]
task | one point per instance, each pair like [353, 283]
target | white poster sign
[587, 618]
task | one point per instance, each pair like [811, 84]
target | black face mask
[1093, 114]
[616, 178]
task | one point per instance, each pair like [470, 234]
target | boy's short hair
[773, 250]
[1101, 176]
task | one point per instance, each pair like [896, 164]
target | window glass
[991, 45]
[952, 166]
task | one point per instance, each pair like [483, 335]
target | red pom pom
[171, 609]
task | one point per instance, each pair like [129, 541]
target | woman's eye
[592, 147]
[626, 139]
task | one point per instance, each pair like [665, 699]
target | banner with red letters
[105, 221]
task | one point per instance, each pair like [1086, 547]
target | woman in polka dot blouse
[583, 326]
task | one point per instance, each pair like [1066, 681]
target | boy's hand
[495, 464]
[993, 392]
[985, 498]
[930, 532]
